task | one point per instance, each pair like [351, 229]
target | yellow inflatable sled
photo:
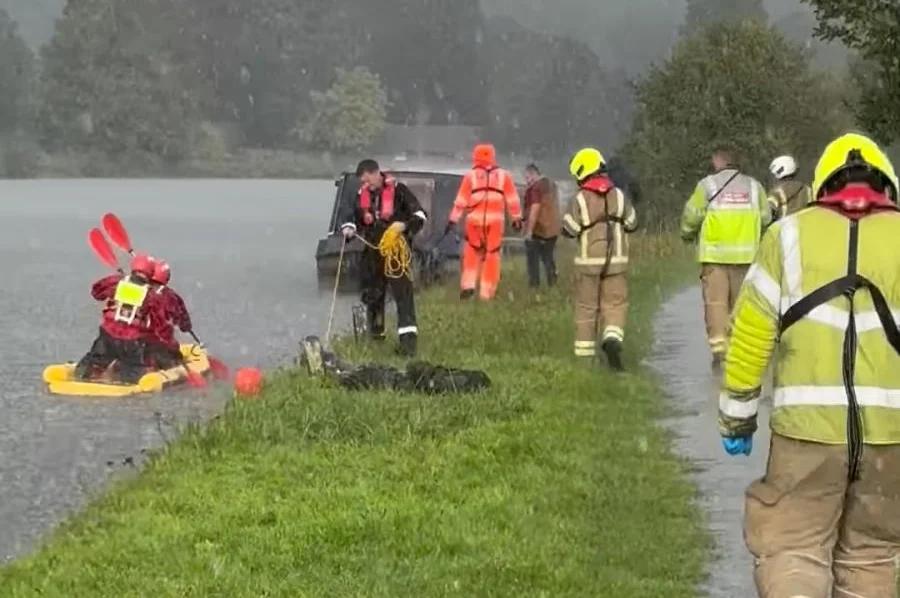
[60, 381]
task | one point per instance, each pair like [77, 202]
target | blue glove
[736, 446]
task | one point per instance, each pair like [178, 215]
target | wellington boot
[408, 345]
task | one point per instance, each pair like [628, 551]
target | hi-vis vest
[826, 288]
[731, 210]
[128, 300]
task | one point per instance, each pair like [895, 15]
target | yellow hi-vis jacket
[729, 211]
[823, 299]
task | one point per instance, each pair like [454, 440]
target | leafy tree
[16, 73]
[350, 115]
[872, 28]
[110, 84]
[741, 85]
[708, 12]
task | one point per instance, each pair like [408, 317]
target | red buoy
[248, 382]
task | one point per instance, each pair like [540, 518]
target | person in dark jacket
[384, 203]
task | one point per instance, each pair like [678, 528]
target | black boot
[466, 294]
[408, 345]
[613, 350]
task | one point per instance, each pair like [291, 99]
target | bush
[350, 115]
[743, 85]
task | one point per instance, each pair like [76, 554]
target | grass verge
[556, 482]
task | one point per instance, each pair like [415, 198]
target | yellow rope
[395, 251]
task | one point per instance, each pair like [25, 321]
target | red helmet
[161, 273]
[142, 264]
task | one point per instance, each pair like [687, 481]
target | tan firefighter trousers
[721, 284]
[810, 530]
[601, 307]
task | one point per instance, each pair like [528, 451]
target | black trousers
[128, 355]
[375, 287]
[541, 251]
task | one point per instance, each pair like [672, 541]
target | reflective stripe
[614, 332]
[835, 396]
[408, 330]
[737, 409]
[835, 317]
[791, 258]
[766, 285]
[599, 261]
[421, 214]
[617, 226]
[585, 221]
[570, 224]
[585, 348]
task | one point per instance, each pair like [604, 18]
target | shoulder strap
[722, 188]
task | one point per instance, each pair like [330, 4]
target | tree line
[158, 79]
[154, 77]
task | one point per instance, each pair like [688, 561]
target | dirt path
[682, 358]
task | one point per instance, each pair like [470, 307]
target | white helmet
[783, 166]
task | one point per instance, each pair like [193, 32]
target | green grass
[556, 482]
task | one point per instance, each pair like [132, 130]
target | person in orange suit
[486, 194]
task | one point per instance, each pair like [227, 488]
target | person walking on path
[600, 217]
[821, 303]
[542, 226]
[789, 194]
[728, 212]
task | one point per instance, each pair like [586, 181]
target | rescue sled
[60, 381]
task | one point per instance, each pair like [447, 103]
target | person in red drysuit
[130, 307]
[162, 349]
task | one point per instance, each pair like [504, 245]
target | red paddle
[102, 249]
[117, 232]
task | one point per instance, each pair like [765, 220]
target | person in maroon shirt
[130, 307]
[162, 349]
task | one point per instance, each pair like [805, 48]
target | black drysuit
[371, 222]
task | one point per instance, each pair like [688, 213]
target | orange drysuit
[485, 195]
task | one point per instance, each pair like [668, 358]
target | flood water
[242, 256]
[682, 358]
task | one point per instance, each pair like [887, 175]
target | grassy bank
[556, 482]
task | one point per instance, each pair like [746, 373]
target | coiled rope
[395, 251]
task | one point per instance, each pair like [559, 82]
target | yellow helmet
[586, 162]
[851, 150]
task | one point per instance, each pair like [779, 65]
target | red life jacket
[388, 191]
[598, 184]
[856, 201]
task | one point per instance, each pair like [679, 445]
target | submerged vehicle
[434, 254]
[60, 378]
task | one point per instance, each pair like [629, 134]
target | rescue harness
[847, 286]
[483, 247]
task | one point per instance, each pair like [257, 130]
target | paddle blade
[101, 248]
[219, 369]
[117, 232]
